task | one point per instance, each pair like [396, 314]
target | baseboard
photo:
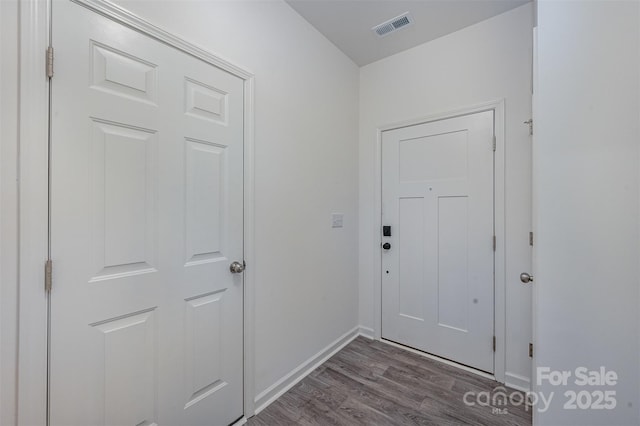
[366, 332]
[240, 422]
[515, 381]
[274, 391]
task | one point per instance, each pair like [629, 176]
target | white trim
[273, 392]
[249, 249]
[535, 295]
[500, 283]
[124, 17]
[367, 332]
[518, 382]
[33, 212]
[499, 199]
[240, 422]
[34, 38]
[9, 78]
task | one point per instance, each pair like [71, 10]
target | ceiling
[348, 23]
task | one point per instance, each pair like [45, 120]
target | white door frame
[34, 17]
[499, 210]
[534, 220]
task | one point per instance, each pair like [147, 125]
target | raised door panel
[123, 189]
[204, 347]
[206, 192]
[122, 74]
[206, 102]
[125, 368]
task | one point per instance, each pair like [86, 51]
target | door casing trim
[498, 106]
[35, 26]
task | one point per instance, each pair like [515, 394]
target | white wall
[586, 174]
[8, 212]
[306, 134]
[484, 62]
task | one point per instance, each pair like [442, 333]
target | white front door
[438, 266]
[146, 217]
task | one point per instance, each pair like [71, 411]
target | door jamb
[34, 17]
[33, 99]
[535, 294]
[498, 106]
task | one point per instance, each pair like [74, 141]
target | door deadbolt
[386, 246]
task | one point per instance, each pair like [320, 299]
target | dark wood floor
[373, 383]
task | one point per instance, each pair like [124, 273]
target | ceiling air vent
[393, 24]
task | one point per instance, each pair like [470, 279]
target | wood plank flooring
[373, 383]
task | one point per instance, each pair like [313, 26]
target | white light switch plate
[337, 220]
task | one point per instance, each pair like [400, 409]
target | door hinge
[530, 123]
[494, 144]
[494, 343]
[530, 350]
[48, 275]
[494, 243]
[531, 239]
[50, 61]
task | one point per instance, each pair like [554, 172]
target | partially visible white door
[438, 266]
[146, 218]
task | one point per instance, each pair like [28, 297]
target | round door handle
[526, 278]
[386, 246]
[236, 267]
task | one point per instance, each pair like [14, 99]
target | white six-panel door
[438, 273]
[146, 217]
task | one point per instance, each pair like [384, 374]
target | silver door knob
[526, 278]
[236, 267]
